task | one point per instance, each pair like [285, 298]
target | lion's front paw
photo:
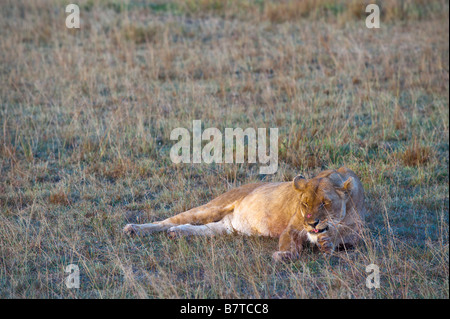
[283, 256]
[325, 244]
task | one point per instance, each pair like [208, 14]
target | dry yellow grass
[86, 116]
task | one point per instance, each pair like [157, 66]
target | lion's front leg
[338, 236]
[290, 245]
[325, 243]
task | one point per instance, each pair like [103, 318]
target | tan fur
[334, 200]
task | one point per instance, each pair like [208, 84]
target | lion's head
[323, 200]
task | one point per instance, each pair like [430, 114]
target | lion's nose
[314, 224]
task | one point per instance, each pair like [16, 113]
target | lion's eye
[304, 204]
[325, 203]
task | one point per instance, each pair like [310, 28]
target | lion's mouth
[318, 231]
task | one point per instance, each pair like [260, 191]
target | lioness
[326, 210]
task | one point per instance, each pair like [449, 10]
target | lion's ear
[346, 188]
[300, 182]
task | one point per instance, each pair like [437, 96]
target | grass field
[86, 116]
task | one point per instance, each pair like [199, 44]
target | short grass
[86, 116]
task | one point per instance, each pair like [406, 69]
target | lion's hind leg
[206, 215]
[145, 229]
[201, 215]
[221, 227]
